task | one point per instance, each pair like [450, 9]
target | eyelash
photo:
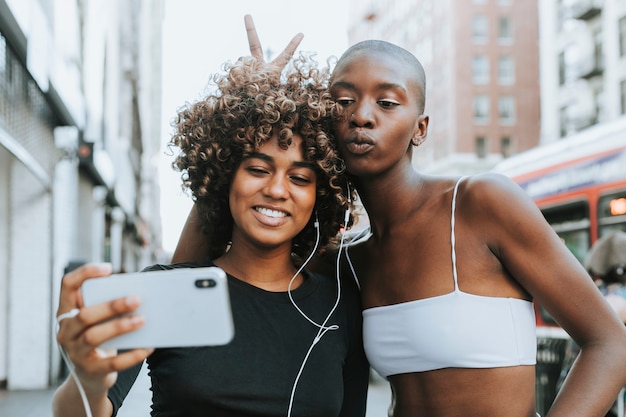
[256, 170]
[298, 180]
[388, 104]
[383, 103]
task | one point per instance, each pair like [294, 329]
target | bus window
[571, 222]
[612, 213]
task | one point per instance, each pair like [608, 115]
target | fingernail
[104, 268]
[132, 301]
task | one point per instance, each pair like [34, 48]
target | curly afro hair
[251, 103]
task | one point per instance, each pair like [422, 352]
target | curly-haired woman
[258, 160]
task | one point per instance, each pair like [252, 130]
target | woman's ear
[419, 136]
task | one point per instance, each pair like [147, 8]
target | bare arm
[537, 259]
[68, 402]
[81, 335]
[193, 245]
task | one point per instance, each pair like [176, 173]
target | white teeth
[271, 213]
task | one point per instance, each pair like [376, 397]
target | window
[598, 51]
[568, 64]
[3, 54]
[562, 68]
[481, 147]
[563, 121]
[506, 146]
[622, 87]
[622, 36]
[506, 70]
[611, 212]
[481, 109]
[598, 108]
[480, 69]
[480, 29]
[505, 30]
[506, 109]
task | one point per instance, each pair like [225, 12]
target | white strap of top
[452, 238]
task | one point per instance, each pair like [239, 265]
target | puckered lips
[271, 216]
[358, 142]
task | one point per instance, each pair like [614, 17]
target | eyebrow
[382, 86]
[267, 158]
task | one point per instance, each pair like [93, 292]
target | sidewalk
[137, 404]
[38, 403]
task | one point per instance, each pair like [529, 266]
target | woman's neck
[271, 271]
[389, 201]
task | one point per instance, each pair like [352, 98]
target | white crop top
[454, 330]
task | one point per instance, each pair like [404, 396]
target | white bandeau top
[454, 330]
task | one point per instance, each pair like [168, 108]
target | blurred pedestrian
[606, 262]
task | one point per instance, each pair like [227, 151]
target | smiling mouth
[271, 213]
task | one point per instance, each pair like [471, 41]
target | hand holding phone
[181, 307]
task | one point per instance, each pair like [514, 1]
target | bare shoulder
[491, 186]
[494, 196]
[502, 215]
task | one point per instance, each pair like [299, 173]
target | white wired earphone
[323, 328]
[70, 365]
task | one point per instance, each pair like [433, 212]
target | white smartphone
[181, 307]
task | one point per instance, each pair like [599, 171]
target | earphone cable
[71, 368]
[322, 329]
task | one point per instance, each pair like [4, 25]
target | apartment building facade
[583, 65]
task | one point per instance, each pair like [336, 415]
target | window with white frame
[480, 69]
[481, 109]
[505, 29]
[622, 36]
[481, 147]
[506, 146]
[506, 109]
[563, 121]
[480, 29]
[568, 64]
[506, 70]
[622, 86]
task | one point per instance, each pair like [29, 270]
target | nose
[276, 187]
[361, 116]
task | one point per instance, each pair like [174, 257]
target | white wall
[5, 163]
[29, 288]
